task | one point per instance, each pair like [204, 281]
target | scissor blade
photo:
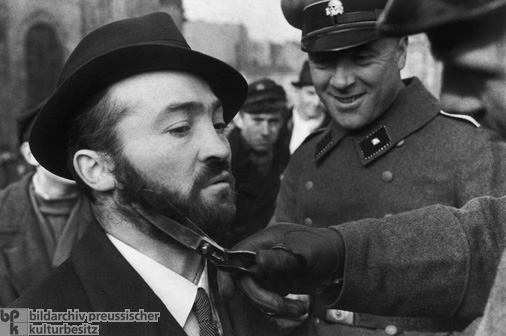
[151, 197]
[185, 236]
[172, 228]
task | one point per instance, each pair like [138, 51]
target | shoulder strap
[461, 116]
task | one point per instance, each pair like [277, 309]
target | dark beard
[214, 221]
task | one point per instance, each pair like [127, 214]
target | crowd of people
[364, 207]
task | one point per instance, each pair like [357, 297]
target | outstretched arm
[442, 258]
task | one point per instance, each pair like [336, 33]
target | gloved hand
[288, 324]
[290, 258]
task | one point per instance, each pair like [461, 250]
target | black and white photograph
[253, 168]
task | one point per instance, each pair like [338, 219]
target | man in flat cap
[137, 120]
[436, 261]
[42, 217]
[308, 113]
[390, 147]
[258, 157]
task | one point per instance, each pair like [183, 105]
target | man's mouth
[224, 177]
[349, 99]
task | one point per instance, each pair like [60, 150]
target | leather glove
[290, 258]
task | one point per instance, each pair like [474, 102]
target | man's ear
[94, 169]
[27, 154]
[402, 51]
[239, 120]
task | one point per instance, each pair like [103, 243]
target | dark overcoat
[255, 193]
[413, 156]
[97, 278]
[24, 259]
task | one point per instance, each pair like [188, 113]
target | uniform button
[400, 143]
[391, 330]
[316, 320]
[387, 176]
[308, 221]
[309, 185]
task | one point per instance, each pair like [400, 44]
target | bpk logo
[13, 321]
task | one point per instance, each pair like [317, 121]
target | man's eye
[363, 58]
[180, 131]
[322, 60]
[220, 127]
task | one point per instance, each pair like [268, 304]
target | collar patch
[323, 145]
[374, 143]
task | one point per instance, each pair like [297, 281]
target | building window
[44, 60]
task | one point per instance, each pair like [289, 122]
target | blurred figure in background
[8, 172]
[308, 113]
[41, 217]
[259, 157]
[12, 166]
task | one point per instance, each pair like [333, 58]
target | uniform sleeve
[432, 262]
[482, 170]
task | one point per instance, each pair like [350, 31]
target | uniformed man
[389, 148]
[258, 158]
[436, 261]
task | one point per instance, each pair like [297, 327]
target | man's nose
[265, 128]
[460, 93]
[213, 145]
[343, 75]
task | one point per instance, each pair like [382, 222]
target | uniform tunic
[414, 155]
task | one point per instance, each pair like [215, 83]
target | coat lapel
[112, 285]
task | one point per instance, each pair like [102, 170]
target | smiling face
[172, 138]
[357, 85]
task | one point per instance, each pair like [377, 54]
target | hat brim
[49, 135]
[335, 40]
[301, 84]
[403, 18]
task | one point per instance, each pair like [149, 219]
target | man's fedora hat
[114, 52]
[333, 25]
[304, 76]
[406, 17]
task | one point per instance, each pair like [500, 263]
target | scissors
[191, 236]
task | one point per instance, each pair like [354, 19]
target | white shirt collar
[302, 128]
[176, 292]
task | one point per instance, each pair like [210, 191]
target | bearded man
[136, 108]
